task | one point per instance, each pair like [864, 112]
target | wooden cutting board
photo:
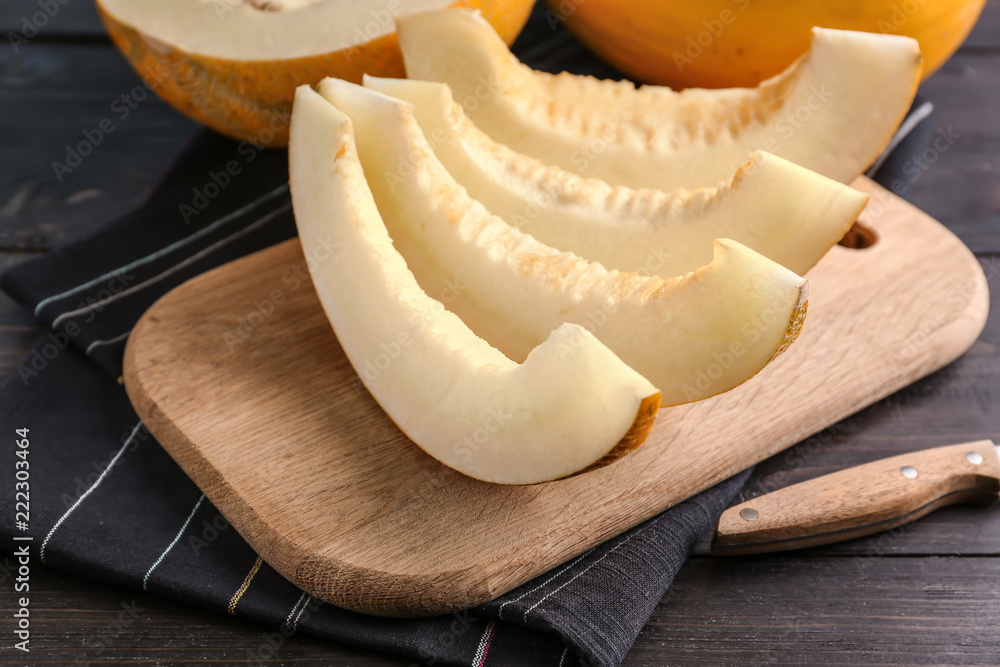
[240, 377]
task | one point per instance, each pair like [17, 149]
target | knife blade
[860, 501]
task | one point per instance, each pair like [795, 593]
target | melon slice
[234, 64]
[692, 336]
[832, 111]
[781, 210]
[570, 406]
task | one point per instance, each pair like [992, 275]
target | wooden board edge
[280, 553]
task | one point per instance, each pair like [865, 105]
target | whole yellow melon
[739, 43]
[233, 65]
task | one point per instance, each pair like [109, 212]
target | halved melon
[692, 336]
[725, 43]
[832, 111]
[234, 64]
[783, 211]
[571, 405]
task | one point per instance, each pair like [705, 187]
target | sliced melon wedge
[570, 406]
[783, 211]
[692, 336]
[832, 111]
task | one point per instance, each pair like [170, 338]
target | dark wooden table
[928, 593]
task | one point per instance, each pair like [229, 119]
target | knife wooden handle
[860, 501]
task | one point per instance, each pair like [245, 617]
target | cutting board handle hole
[859, 237]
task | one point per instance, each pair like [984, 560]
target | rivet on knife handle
[860, 501]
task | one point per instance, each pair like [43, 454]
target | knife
[860, 501]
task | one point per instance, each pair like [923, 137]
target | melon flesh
[260, 30]
[571, 405]
[693, 336]
[833, 111]
[783, 211]
[233, 65]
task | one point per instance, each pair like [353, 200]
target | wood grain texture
[862, 500]
[79, 621]
[282, 437]
[722, 612]
[956, 180]
[865, 610]
[122, 134]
